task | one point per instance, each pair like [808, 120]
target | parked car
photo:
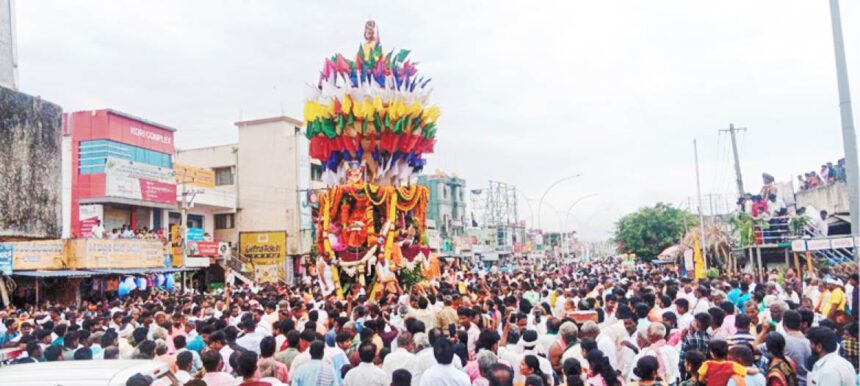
[90, 373]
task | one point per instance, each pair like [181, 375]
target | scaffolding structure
[496, 208]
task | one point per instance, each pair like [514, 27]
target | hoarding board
[90, 215]
[203, 248]
[191, 175]
[267, 251]
[32, 255]
[6, 258]
[103, 254]
[139, 181]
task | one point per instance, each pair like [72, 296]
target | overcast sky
[615, 90]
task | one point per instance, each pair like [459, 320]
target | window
[225, 221]
[224, 176]
[444, 192]
[316, 172]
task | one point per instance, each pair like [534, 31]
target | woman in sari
[781, 370]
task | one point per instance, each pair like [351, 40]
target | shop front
[122, 173]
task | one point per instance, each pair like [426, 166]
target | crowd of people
[603, 323]
[827, 175]
[125, 232]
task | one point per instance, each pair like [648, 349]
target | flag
[698, 260]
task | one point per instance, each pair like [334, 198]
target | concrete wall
[268, 174]
[30, 166]
[832, 198]
[8, 54]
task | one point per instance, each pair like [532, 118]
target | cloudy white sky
[530, 91]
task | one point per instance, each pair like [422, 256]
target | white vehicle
[90, 373]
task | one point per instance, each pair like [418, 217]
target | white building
[268, 174]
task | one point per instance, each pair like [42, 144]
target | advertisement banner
[306, 226]
[135, 180]
[30, 255]
[202, 177]
[176, 244]
[194, 234]
[268, 273]
[197, 262]
[103, 254]
[203, 248]
[263, 246]
[6, 258]
[267, 251]
[90, 215]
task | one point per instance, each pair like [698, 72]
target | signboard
[6, 258]
[817, 245]
[202, 248]
[434, 241]
[139, 181]
[90, 215]
[263, 245]
[306, 226]
[194, 234]
[843, 243]
[268, 273]
[176, 244]
[267, 251]
[202, 177]
[798, 245]
[31, 255]
[103, 254]
[196, 262]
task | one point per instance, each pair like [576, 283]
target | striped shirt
[741, 336]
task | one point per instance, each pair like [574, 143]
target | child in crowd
[743, 355]
[718, 370]
[692, 362]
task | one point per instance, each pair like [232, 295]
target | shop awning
[57, 273]
[490, 256]
[141, 271]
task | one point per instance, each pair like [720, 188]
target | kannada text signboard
[201, 177]
[31, 255]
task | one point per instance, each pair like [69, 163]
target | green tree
[650, 230]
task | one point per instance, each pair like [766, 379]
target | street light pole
[567, 214]
[849, 137]
[558, 181]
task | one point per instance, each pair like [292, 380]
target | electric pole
[701, 215]
[849, 137]
[739, 180]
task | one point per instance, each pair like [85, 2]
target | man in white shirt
[822, 229]
[366, 374]
[425, 359]
[604, 342]
[250, 340]
[830, 369]
[184, 361]
[444, 373]
[98, 230]
[702, 303]
[666, 355]
[398, 358]
[472, 330]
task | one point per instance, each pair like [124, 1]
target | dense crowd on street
[603, 323]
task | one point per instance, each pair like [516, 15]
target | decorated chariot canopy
[370, 124]
[372, 112]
